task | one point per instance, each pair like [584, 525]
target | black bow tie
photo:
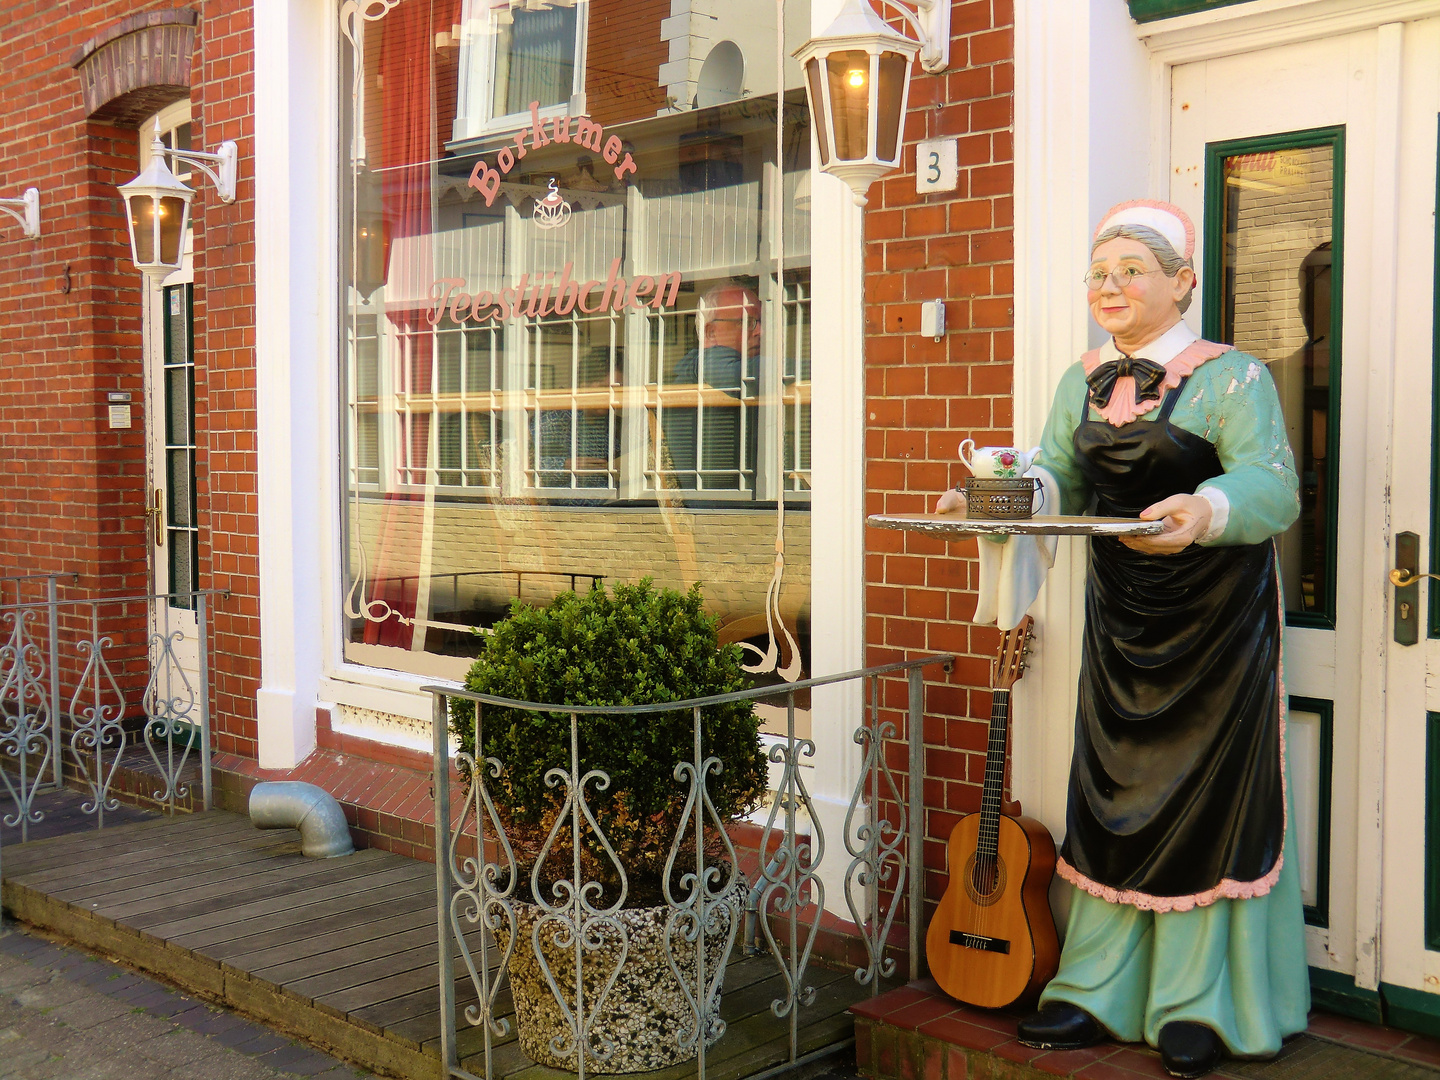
[1147, 374]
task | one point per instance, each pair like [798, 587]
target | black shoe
[1189, 1050]
[1059, 1026]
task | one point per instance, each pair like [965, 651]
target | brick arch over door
[138, 66]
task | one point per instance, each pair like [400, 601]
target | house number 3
[937, 162]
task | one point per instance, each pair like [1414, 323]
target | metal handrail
[480, 889]
[755, 693]
[80, 601]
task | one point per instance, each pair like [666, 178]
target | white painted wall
[837, 529]
[295, 360]
[1083, 142]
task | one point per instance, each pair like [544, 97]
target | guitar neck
[994, 774]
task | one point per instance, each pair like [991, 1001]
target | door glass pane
[1279, 300]
[181, 529]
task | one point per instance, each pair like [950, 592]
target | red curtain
[408, 147]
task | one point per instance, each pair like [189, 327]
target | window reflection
[1276, 303]
[569, 354]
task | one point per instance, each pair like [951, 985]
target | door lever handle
[1406, 578]
[157, 512]
[1403, 579]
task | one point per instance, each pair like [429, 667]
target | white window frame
[479, 38]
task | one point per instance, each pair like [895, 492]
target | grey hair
[709, 302]
[1171, 263]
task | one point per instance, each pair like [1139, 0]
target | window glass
[1278, 300]
[576, 309]
[182, 531]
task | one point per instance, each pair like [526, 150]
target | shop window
[576, 350]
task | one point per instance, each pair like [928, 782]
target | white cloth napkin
[1011, 573]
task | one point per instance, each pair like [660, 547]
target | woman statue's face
[1147, 304]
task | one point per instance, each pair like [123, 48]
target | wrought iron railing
[86, 680]
[478, 876]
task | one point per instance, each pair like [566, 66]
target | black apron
[1175, 783]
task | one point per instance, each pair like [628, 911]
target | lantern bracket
[225, 159]
[930, 20]
[26, 211]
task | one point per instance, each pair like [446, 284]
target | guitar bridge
[979, 941]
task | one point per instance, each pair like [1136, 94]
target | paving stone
[60, 1020]
[242, 1032]
[300, 1060]
[85, 1014]
[176, 1047]
[261, 1044]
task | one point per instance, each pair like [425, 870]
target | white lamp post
[157, 204]
[857, 78]
[25, 210]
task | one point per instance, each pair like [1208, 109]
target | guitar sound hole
[984, 883]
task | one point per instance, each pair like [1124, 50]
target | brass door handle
[1403, 579]
[158, 513]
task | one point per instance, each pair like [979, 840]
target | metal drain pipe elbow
[293, 804]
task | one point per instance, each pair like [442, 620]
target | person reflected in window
[708, 436]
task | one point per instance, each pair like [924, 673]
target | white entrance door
[1410, 898]
[1309, 170]
[172, 529]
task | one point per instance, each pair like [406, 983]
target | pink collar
[1122, 408]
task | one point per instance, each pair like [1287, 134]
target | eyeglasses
[1121, 276]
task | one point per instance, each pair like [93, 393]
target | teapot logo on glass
[552, 212]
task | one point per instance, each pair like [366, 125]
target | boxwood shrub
[633, 645]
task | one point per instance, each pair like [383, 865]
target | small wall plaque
[937, 165]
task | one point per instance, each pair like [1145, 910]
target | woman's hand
[951, 501]
[1186, 518]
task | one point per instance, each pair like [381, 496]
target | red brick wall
[72, 492]
[622, 67]
[923, 398]
[224, 99]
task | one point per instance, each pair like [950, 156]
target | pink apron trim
[1122, 408]
[1228, 889]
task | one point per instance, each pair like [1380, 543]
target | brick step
[918, 1032]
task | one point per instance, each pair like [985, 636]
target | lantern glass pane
[850, 93]
[142, 227]
[172, 229]
[894, 70]
[817, 108]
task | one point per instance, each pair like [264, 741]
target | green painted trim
[1319, 913]
[1150, 10]
[1432, 830]
[1337, 993]
[1435, 413]
[1214, 232]
[1411, 1010]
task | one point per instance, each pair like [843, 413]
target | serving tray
[958, 525]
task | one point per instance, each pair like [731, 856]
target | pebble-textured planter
[646, 1009]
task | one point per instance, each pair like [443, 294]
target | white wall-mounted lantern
[857, 78]
[25, 210]
[157, 204]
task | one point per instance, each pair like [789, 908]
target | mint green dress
[1235, 965]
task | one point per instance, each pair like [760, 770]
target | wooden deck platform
[340, 952]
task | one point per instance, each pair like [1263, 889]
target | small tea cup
[994, 462]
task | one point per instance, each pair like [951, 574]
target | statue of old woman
[1186, 928]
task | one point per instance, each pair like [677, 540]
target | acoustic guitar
[992, 941]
